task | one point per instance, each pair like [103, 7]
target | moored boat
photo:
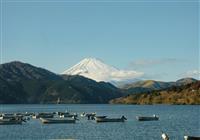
[9, 122]
[68, 115]
[164, 136]
[43, 115]
[100, 117]
[56, 120]
[191, 138]
[122, 119]
[147, 118]
[87, 114]
[90, 116]
[11, 117]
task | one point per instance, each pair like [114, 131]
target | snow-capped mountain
[97, 70]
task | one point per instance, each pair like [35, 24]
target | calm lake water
[176, 121]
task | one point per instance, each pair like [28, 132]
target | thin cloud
[148, 63]
[125, 75]
[155, 76]
[192, 73]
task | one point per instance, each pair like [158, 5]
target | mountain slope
[97, 70]
[11, 92]
[150, 85]
[24, 83]
[186, 94]
[16, 71]
[185, 81]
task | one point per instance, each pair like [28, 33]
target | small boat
[83, 114]
[87, 114]
[17, 117]
[122, 119]
[68, 115]
[147, 118]
[191, 138]
[90, 116]
[9, 122]
[28, 114]
[7, 117]
[165, 136]
[43, 115]
[56, 120]
[7, 114]
[100, 117]
[62, 113]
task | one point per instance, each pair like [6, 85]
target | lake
[176, 121]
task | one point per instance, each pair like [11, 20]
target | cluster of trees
[187, 94]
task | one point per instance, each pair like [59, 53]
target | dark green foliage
[24, 83]
[11, 92]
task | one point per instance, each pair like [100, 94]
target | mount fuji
[97, 70]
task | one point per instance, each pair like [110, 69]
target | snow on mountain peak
[95, 69]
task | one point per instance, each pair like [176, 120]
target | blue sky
[159, 38]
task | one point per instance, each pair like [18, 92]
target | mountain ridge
[185, 94]
[24, 83]
[36, 85]
[150, 85]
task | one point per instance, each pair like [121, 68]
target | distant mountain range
[97, 70]
[151, 85]
[185, 94]
[24, 83]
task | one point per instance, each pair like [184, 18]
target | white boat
[191, 138]
[68, 115]
[90, 116]
[56, 120]
[165, 136]
[147, 118]
[17, 117]
[122, 119]
[87, 114]
[100, 117]
[43, 115]
[11, 121]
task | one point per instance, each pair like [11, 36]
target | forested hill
[186, 94]
[24, 83]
